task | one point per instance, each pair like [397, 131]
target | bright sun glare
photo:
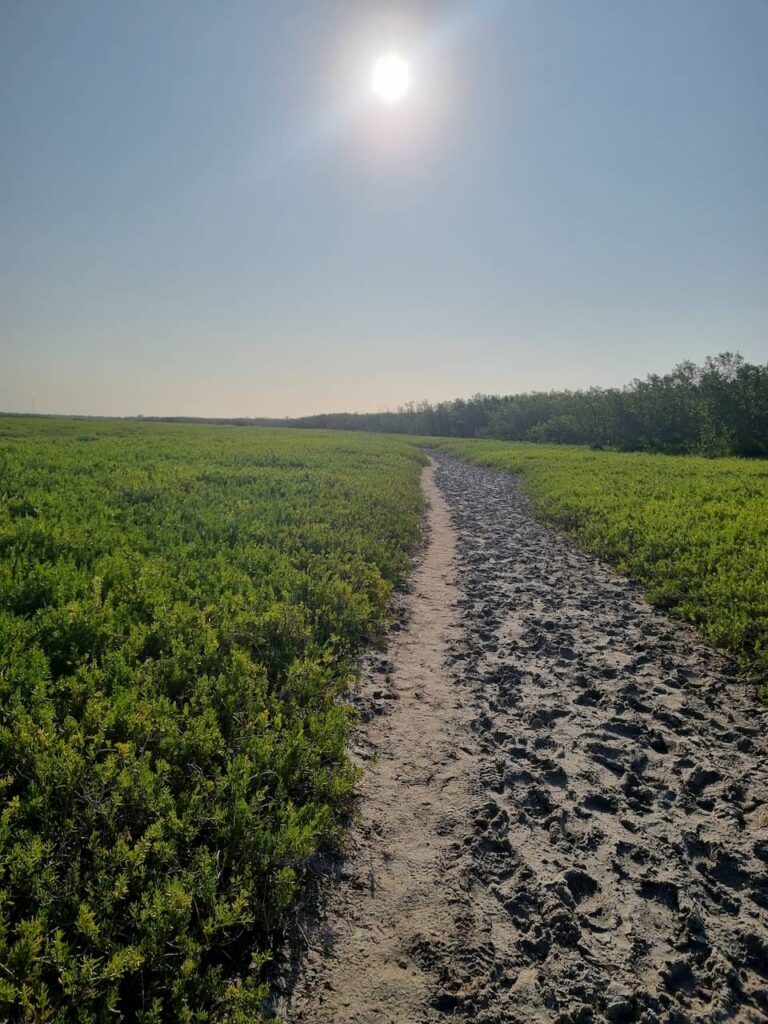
[390, 78]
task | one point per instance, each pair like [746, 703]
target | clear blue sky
[204, 211]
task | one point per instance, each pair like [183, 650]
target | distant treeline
[720, 408]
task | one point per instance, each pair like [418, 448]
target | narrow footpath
[565, 813]
[364, 966]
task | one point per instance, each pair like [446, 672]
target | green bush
[180, 607]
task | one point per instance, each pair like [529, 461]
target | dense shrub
[179, 611]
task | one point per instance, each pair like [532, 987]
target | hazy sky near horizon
[204, 211]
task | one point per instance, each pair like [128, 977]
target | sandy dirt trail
[390, 899]
[567, 817]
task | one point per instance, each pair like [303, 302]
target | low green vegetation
[179, 611]
[693, 531]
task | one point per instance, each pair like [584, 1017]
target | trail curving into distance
[567, 818]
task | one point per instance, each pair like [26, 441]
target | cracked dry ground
[593, 841]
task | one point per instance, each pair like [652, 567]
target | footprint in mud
[538, 803]
[580, 884]
[665, 893]
[701, 778]
[608, 756]
[601, 802]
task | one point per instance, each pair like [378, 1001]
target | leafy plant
[180, 609]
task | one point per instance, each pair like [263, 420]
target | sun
[390, 78]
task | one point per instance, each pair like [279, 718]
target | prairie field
[180, 607]
[692, 530]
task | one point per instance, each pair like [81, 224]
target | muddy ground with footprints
[564, 815]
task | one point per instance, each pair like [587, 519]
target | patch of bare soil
[362, 964]
[623, 828]
[569, 824]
